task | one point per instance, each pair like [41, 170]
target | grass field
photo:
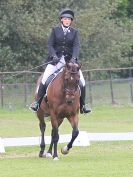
[101, 159]
[106, 159]
[103, 119]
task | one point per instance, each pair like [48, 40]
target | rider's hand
[73, 60]
[55, 60]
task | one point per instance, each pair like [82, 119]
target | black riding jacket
[63, 44]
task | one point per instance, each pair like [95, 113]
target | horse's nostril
[69, 101]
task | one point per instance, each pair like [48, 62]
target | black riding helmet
[66, 13]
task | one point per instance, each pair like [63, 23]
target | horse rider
[63, 46]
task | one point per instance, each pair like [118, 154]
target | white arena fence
[84, 139]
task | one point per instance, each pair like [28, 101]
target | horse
[63, 97]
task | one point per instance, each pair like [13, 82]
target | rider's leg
[41, 92]
[83, 107]
[50, 69]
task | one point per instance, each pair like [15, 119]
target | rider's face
[66, 21]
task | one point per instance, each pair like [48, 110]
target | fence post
[1, 91]
[111, 87]
[25, 88]
[130, 84]
[90, 87]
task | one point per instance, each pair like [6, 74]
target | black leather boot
[83, 107]
[41, 92]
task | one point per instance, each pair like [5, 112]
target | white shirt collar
[65, 29]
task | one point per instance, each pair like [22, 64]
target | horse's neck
[62, 77]
[59, 80]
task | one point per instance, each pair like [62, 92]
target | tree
[105, 28]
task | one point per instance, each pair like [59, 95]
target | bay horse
[63, 97]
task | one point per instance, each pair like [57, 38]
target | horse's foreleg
[42, 126]
[74, 123]
[65, 149]
[75, 133]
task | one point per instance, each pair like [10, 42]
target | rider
[63, 45]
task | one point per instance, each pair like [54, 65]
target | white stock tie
[65, 31]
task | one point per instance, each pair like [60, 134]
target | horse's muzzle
[69, 99]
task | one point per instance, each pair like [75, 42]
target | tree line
[105, 26]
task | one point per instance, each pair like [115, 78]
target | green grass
[109, 119]
[23, 122]
[105, 159]
[101, 159]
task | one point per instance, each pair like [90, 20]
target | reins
[31, 69]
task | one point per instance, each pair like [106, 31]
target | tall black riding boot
[83, 107]
[41, 92]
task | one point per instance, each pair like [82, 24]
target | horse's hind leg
[54, 141]
[54, 137]
[42, 126]
[49, 153]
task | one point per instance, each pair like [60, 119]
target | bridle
[71, 81]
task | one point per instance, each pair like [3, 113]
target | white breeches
[50, 69]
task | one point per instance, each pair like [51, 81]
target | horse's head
[71, 81]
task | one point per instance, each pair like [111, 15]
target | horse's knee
[42, 126]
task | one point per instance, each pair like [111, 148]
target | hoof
[56, 158]
[42, 155]
[65, 150]
[48, 155]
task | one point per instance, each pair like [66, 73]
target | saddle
[49, 81]
[51, 78]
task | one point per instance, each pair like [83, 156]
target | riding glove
[73, 60]
[55, 60]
